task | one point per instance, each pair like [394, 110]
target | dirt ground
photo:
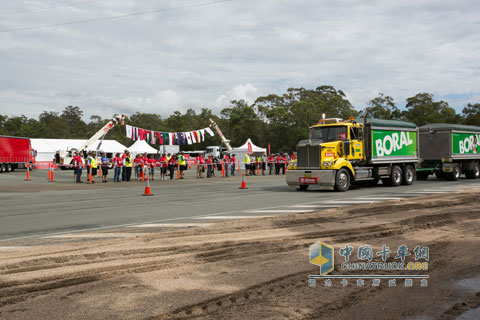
[255, 269]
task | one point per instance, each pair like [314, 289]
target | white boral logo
[391, 143]
[469, 143]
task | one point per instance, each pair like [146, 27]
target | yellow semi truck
[339, 153]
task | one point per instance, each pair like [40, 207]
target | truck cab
[339, 153]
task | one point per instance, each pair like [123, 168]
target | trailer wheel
[395, 178]
[11, 167]
[302, 187]
[408, 175]
[342, 180]
[7, 167]
[475, 173]
[455, 174]
[441, 175]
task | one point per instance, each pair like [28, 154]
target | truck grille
[308, 157]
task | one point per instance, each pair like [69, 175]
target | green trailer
[448, 151]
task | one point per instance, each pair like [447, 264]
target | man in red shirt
[209, 166]
[78, 165]
[152, 163]
[226, 161]
[137, 162]
[163, 166]
[117, 164]
[271, 160]
[200, 162]
[171, 165]
[232, 163]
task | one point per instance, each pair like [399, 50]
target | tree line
[282, 120]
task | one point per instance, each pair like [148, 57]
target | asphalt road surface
[38, 209]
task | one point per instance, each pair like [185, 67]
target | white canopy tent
[242, 150]
[141, 146]
[46, 148]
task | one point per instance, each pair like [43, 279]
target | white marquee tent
[141, 146]
[242, 150]
[46, 148]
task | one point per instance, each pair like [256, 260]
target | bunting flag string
[168, 138]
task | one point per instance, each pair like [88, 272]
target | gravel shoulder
[255, 269]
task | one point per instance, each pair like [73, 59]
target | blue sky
[208, 55]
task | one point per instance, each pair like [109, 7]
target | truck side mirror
[346, 147]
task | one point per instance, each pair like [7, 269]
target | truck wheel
[8, 166]
[440, 175]
[408, 175]
[2, 167]
[422, 175]
[395, 178]
[455, 174]
[12, 167]
[342, 180]
[475, 173]
[302, 187]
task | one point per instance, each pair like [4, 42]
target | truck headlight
[327, 163]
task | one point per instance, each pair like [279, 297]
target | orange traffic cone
[244, 183]
[147, 189]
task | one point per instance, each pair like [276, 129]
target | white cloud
[245, 92]
[206, 56]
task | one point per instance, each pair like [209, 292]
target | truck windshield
[326, 134]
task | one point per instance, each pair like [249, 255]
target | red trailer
[15, 152]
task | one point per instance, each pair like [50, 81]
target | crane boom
[224, 140]
[100, 134]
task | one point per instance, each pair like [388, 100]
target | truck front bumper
[325, 179]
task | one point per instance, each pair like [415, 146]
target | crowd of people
[144, 165]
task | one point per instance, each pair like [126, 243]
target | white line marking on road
[279, 210]
[381, 198]
[330, 205]
[351, 201]
[230, 217]
[170, 225]
[13, 247]
[96, 235]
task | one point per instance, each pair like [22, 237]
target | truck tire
[422, 175]
[7, 167]
[395, 178]
[408, 175]
[455, 174]
[2, 167]
[342, 180]
[441, 175]
[475, 173]
[12, 167]
[302, 187]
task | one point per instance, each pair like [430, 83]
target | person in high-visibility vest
[246, 161]
[128, 165]
[92, 161]
[182, 162]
